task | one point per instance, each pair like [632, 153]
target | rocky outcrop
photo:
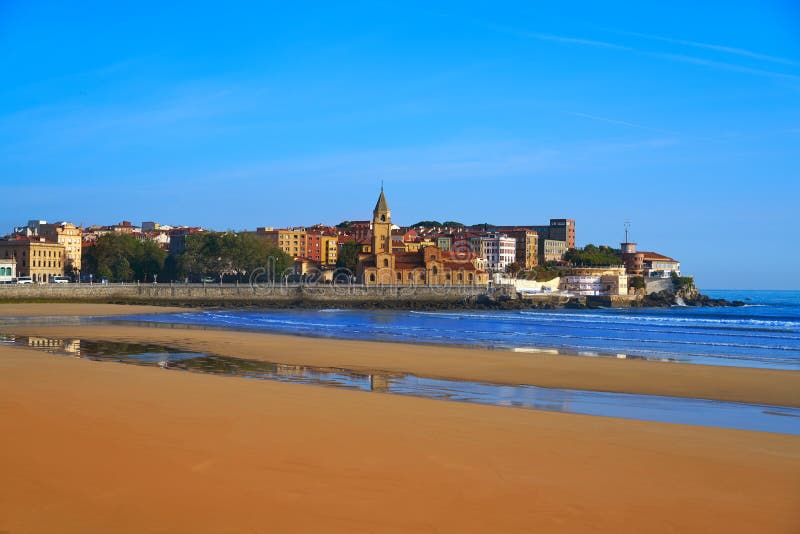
[665, 299]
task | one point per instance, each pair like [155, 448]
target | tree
[636, 282]
[514, 268]
[452, 223]
[428, 224]
[593, 256]
[122, 258]
[219, 254]
[348, 256]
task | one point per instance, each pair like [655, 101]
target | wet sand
[103, 447]
[758, 386]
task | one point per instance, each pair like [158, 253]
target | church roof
[381, 205]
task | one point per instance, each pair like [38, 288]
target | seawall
[258, 295]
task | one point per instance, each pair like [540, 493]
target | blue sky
[684, 119]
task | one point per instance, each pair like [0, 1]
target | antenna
[627, 230]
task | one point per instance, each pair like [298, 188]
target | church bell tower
[382, 233]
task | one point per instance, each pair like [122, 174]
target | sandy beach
[758, 386]
[104, 447]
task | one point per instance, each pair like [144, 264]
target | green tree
[348, 256]
[123, 258]
[636, 282]
[593, 256]
[514, 268]
[230, 254]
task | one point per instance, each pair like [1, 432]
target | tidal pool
[764, 418]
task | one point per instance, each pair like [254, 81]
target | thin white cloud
[709, 46]
[616, 121]
[680, 58]
[560, 38]
[721, 65]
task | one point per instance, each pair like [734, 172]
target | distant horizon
[682, 118]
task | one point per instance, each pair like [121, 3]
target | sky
[682, 117]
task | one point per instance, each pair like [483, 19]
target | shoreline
[734, 384]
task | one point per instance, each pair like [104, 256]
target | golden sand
[98, 447]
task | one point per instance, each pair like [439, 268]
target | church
[428, 266]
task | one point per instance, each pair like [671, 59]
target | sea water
[763, 333]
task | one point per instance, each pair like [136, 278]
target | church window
[372, 278]
[385, 262]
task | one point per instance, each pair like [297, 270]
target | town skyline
[682, 120]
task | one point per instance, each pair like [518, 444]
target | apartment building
[527, 246]
[499, 250]
[35, 257]
[551, 250]
[558, 230]
[68, 235]
[292, 241]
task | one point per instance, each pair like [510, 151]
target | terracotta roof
[459, 266]
[656, 256]
[408, 257]
[459, 255]
[408, 265]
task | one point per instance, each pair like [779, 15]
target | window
[385, 262]
[372, 278]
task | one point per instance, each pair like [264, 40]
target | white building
[499, 250]
[8, 270]
[31, 229]
[595, 281]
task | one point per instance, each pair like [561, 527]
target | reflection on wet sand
[644, 407]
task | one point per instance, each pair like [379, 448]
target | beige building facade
[527, 246]
[68, 235]
[35, 257]
[290, 241]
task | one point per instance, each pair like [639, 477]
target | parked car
[208, 279]
[59, 280]
[24, 280]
